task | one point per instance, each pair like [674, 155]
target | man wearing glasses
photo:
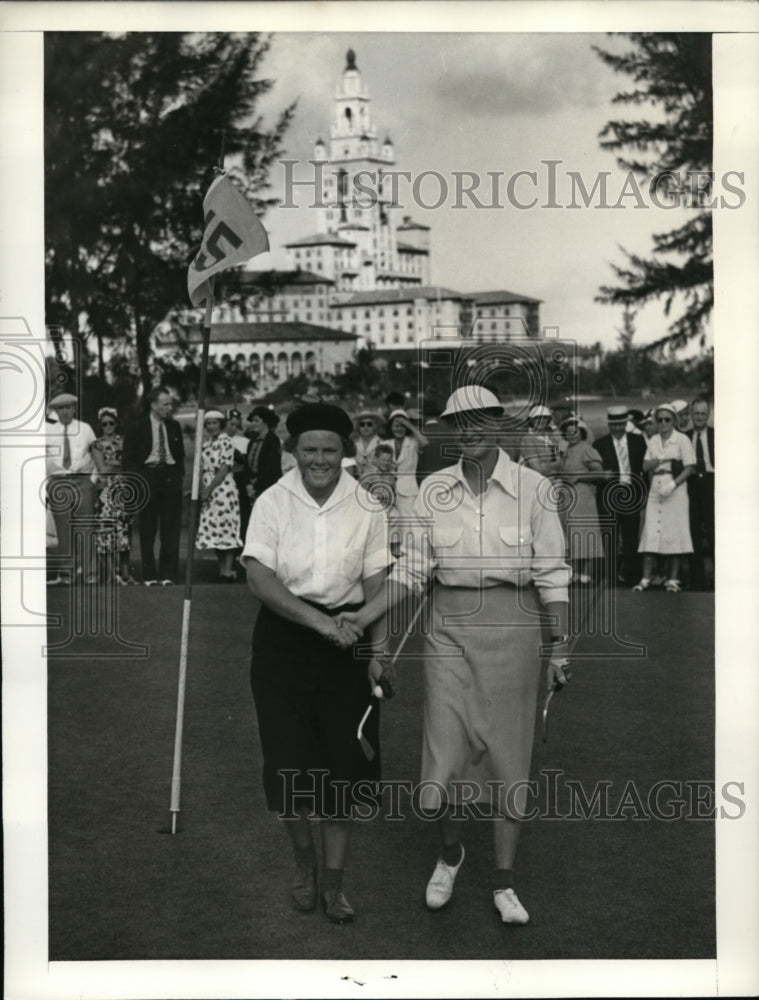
[622, 455]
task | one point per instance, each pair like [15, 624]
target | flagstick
[176, 775]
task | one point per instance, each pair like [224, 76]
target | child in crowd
[380, 482]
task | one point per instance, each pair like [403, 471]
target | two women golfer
[487, 536]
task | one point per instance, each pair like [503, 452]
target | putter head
[366, 747]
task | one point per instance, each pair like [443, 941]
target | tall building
[364, 274]
[361, 243]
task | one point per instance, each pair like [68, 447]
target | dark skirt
[310, 697]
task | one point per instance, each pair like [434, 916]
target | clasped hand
[343, 630]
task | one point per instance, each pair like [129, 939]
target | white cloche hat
[469, 398]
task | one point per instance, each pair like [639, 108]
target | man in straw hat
[490, 538]
[622, 455]
[71, 492]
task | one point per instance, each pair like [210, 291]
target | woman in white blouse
[489, 536]
[406, 442]
[316, 546]
[666, 529]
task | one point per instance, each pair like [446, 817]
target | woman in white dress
[406, 442]
[666, 530]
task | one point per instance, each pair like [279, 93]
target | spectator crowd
[636, 504]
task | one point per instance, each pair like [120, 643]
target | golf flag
[233, 234]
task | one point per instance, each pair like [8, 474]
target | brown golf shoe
[337, 907]
[303, 888]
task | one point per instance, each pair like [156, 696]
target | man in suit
[701, 493]
[622, 454]
[153, 447]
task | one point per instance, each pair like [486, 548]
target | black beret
[319, 417]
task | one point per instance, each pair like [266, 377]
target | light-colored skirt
[481, 679]
[666, 528]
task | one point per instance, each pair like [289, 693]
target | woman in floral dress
[113, 534]
[219, 526]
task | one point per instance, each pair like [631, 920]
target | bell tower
[353, 135]
[357, 227]
[364, 219]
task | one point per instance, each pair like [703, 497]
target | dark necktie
[161, 443]
[66, 448]
[700, 463]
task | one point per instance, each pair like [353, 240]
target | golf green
[627, 874]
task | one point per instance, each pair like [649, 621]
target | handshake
[343, 630]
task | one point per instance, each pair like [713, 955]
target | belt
[159, 465]
[332, 611]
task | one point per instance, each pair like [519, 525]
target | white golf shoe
[440, 886]
[508, 905]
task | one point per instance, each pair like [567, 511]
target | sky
[485, 103]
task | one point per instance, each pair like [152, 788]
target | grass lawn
[122, 888]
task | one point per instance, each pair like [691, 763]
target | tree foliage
[671, 73]
[133, 128]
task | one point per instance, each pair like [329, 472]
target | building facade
[365, 274]
[269, 353]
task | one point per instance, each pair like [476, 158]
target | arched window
[296, 362]
[282, 365]
[269, 363]
[311, 363]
